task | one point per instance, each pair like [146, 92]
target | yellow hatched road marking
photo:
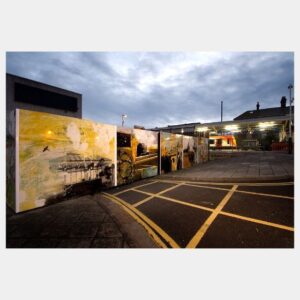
[263, 194]
[138, 216]
[148, 221]
[118, 193]
[200, 233]
[153, 195]
[230, 183]
[257, 221]
[152, 234]
[222, 212]
[178, 201]
[206, 187]
[239, 191]
[142, 201]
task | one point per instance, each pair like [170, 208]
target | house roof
[264, 113]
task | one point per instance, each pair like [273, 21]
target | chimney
[283, 102]
[257, 106]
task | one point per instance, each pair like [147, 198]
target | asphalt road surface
[181, 214]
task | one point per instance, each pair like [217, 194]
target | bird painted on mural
[46, 148]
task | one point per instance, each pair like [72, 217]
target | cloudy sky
[162, 88]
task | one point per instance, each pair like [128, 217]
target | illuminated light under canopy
[231, 128]
[202, 129]
[264, 125]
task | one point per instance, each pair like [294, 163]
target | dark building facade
[22, 93]
[32, 95]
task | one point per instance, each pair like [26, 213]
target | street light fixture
[290, 87]
[123, 119]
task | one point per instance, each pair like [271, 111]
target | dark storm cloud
[156, 89]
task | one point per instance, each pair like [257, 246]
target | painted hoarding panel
[137, 154]
[61, 156]
[202, 150]
[125, 170]
[145, 153]
[11, 159]
[171, 146]
[189, 151]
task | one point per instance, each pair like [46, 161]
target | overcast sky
[162, 88]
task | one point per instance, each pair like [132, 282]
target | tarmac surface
[164, 212]
[84, 222]
[249, 166]
[180, 214]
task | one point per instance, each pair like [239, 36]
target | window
[37, 96]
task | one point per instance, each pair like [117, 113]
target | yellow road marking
[221, 212]
[142, 201]
[239, 191]
[200, 233]
[153, 195]
[118, 193]
[206, 187]
[263, 194]
[230, 183]
[137, 215]
[148, 221]
[178, 201]
[152, 234]
[257, 221]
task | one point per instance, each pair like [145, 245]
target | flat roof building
[28, 94]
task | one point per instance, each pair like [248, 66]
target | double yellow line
[153, 229]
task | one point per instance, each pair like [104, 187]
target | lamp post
[123, 119]
[290, 87]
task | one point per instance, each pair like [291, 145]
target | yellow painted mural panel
[62, 156]
[171, 146]
[137, 154]
[189, 151]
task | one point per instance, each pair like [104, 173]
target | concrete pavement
[241, 167]
[85, 222]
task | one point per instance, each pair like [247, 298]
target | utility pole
[221, 117]
[221, 111]
[290, 87]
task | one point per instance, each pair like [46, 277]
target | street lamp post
[123, 119]
[290, 87]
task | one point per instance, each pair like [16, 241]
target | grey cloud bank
[161, 88]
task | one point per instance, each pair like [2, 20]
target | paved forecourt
[183, 214]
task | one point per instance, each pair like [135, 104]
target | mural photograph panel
[11, 159]
[125, 163]
[202, 150]
[137, 154]
[171, 146]
[145, 153]
[189, 151]
[61, 156]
